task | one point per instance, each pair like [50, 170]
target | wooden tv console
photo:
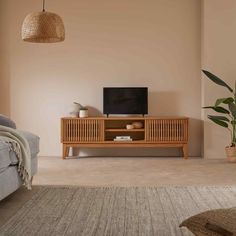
[100, 132]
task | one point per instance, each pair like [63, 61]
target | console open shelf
[101, 131]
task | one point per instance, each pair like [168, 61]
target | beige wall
[4, 62]
[219, 50]
[154, 43]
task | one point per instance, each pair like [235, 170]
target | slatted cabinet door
[166, 130]
[82, 130]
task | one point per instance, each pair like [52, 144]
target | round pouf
[43, 27]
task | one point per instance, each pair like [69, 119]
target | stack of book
[122, 138]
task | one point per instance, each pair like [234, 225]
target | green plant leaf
[218, 109]
[219, 118]
[217, 80]
[219, 122]
[224, 100]
[232, 108]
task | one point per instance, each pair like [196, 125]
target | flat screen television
[125, 100]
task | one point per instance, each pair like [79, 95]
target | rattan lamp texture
[43, 27]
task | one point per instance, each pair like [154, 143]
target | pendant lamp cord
[43, 5]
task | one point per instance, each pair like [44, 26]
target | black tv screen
[125, 100]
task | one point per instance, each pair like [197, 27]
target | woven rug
[85, 211]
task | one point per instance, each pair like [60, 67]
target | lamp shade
[43, 27]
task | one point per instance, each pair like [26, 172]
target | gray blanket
[19, 145]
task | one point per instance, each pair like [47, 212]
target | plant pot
[83, 113]
[231, 154]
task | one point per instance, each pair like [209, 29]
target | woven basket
[231, 154]
[43, 27]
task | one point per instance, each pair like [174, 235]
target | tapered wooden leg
[185, 151]
[66, 150]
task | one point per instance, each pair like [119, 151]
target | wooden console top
[127, 117]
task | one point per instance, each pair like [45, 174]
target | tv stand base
[67, 147]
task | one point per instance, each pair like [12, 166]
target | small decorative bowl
[137, 125]
[129, 127]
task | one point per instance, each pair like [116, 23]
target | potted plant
[75, 109]
[226, 107]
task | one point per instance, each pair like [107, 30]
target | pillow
[220, 222]
[5, 121]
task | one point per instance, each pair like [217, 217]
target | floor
[122, 172]
[142, 171]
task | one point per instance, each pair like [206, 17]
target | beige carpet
[86, 211]
[139, 171]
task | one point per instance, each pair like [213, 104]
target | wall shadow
[196, 139]
[94, 111]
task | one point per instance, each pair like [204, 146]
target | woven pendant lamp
[43, 27]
